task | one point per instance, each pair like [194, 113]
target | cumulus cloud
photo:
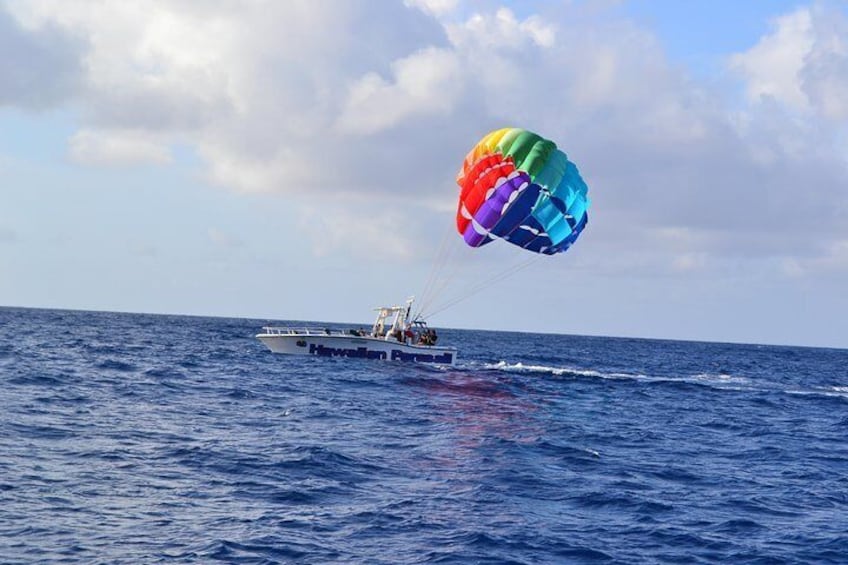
[502, 31]
[356, 231]
[426, 82]
[117, 147]
[824, 77]
[772, 66]
[39, 67]
[434, 7]
[336, 98]
[802, 62]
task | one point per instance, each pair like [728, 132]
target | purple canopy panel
[487, 215]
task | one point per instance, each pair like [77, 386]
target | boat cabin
[393, 323]
[391, 320]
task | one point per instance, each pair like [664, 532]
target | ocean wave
[204, 450]
[718, 380]
[558, 371]
[838, 392]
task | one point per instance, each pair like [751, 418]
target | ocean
[131, 438]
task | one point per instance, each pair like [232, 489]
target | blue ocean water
[128, 438]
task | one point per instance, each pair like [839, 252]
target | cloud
[274, 97]
[802, 63]
[94, 147]
[434, 7]
[325, 100]
[356, 231]
[824, 77]
[39, 67]
[832, 259]
[772, 66]
[427, 82]
[502, 31]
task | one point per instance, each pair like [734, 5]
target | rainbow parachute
[517, 186]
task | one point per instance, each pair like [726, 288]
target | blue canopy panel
[567, 242]
[548, 212]
[517, 224]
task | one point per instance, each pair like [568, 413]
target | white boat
[392, 338]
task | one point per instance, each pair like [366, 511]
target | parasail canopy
[517, 186]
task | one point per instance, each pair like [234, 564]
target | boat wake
[544, 369]
[717, 380]
[823, 391]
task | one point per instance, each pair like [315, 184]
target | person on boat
[429, 337]
[408, 335]
[426, 337]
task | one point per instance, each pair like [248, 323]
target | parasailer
[519, 187]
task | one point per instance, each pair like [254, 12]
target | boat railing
[285, 330]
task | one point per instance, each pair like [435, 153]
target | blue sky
[692, 30]
[189, 157]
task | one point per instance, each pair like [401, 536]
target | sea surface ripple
[129, 438]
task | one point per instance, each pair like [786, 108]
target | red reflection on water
[479, 412]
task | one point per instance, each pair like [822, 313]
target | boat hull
[355, 347]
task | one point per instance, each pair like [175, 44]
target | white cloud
[39, 67]
[434, 7]
[426, 82]
[502, 31]
[802, 63]
[280, 172]
[690, 261]
[772, 66]
[331, 98]
[833, 259]
[117, 147]
[824, 77]
[356, 231]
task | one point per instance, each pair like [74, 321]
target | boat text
[365, 353]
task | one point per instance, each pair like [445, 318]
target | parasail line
[511, 270]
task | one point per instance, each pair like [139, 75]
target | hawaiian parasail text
[365, 353]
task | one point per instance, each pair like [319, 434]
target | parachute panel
[518, 186]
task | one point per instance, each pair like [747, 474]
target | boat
[393, 337]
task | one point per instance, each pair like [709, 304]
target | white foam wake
[522, 368]
[719, 380]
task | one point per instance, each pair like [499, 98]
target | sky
[296, 161]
